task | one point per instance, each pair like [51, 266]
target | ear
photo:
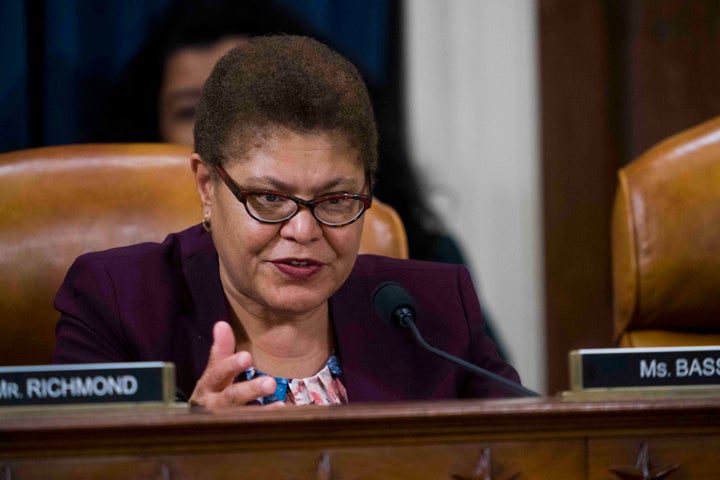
[204, 181]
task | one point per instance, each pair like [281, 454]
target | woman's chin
[295, 301]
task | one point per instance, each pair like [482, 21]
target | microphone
[397, 308]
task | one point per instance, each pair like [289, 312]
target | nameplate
[91, 383]
[605, 368]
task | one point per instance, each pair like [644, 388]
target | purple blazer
[158, 302]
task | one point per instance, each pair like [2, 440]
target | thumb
[223, 341]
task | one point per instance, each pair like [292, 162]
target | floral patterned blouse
[323, 388]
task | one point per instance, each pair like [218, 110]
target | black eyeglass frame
[243, 194]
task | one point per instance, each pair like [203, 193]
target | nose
[303, 227]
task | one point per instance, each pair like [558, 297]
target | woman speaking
[267, 301]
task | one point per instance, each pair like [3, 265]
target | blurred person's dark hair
[132, 113]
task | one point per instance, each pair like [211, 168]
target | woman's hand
[216, 389]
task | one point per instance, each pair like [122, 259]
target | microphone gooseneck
[397, 308]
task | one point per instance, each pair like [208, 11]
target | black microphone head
[389, 298]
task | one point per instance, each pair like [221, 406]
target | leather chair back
[59, 202]
[666, 243]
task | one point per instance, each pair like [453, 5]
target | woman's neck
[291, 347]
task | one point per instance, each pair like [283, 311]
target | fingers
[235, 395]
[223, 364]
[220, 373]
[216, 390]
[223, 341]
[242, 393]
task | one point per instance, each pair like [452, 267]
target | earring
[206, 222]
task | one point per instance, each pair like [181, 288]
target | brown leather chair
[58, 202]
[666, 243]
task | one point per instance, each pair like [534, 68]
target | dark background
[61, 58]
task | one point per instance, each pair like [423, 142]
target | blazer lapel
[201, 271]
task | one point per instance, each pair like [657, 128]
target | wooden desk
[516, 439]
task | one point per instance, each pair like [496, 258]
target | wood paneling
[617, 77]
[578, 176]
[521, 439]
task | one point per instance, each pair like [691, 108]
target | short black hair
[283, 81]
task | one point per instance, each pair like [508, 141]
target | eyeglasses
[333, 209]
